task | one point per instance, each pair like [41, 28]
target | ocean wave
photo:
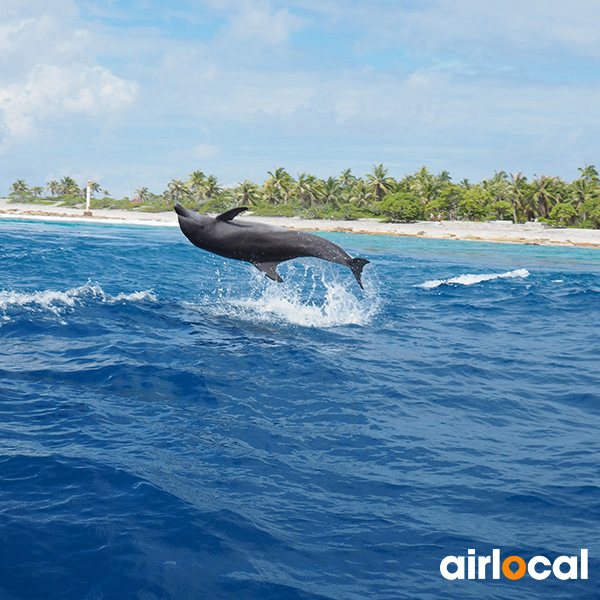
[57, 301]
[470, 279]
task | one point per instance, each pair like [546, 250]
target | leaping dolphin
[265, 246]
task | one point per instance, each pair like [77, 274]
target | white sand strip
[492, 231]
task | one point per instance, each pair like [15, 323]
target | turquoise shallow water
[175, 425]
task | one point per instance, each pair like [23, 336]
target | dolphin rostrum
[265, 246]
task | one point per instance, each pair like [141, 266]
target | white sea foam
[328, 302]
[133, 297]
[470, 279]
[57, 302]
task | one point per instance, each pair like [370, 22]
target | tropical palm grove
[421, 195]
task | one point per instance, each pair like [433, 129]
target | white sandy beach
[493, 231]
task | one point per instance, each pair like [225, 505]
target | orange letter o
[516, 574]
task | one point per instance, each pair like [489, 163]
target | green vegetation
[421, 195]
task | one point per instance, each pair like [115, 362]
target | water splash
[469, 279]
[318, 297]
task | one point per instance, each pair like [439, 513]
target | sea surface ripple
[173, 425]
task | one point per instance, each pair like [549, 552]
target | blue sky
[137, 92]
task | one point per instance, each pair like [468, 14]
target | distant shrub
[279, 210]
[217, 205]
[110, 203]
[474, 202]
[502, 209]
[70, 201]
[401, 207]
[351, 212]
[154, 208]
[563, 213]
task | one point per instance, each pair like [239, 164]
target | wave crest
[470, 279]
[57, 302]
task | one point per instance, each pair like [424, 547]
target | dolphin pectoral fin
[231, 214]
[270, 270]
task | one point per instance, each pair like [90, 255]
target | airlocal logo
[514, 567]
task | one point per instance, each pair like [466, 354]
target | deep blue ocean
[174, 425]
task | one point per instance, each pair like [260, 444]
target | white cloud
[49, 72]
[248, 84]
[204, 152]
[482, 33]
[257, 21]
[53, 92]
[278, 99]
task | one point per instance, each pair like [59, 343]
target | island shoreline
[488, 231]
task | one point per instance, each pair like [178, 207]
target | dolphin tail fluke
[357, 265]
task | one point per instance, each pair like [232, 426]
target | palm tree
[426, 185]
[197, 184]
[498, 181]
[247, 193]
[53, 187]
[19, 188]
[444, 177]
[177, 191]
[545, 194]
[360, 194]
[141, 194]
[68, 186]
[517, 194]
[94, 188]
[212, 187]
[277, 187]
[582, 190]
[499, 188]
[306, 189]
[589, 173]
[346, 179]
[380, 183]
[332, 191]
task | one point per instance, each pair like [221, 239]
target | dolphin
[262, 245]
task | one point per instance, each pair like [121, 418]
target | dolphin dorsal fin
[231, 214]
